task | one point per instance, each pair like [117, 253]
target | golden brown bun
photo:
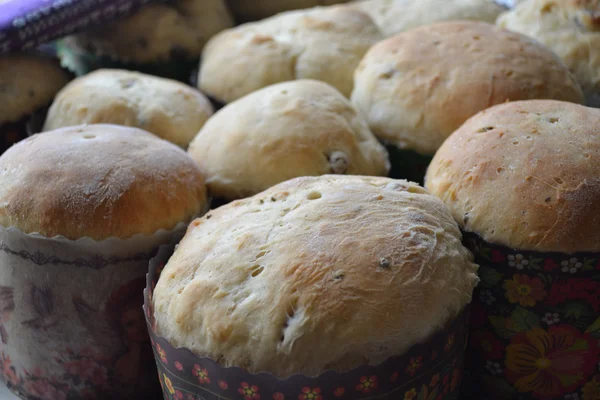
[322, 43]
[27, 83]
[525, 175]
[158, 31]
[314, 274]
[98, 181]
[396, 16]
[166, 108]
[571, 28]
[416, 88]
[298, 128]
[251, 10]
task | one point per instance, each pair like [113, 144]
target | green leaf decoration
[524, 320]
[574, 309]
[499, 324]
[504, 389]
[580, 344]
[589, 264]
[595, 327]
[489, 277]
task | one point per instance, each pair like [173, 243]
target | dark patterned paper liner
[25, 24]
[535, 325]
[428, 371]
[71, 324]
[407, 164]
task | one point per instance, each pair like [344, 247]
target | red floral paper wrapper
[71, 320]
[535, 325]
[428, 371]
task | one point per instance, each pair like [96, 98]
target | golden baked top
[291, 129]
[322, 43]
[571, 28]
[316, 273]
[98, 181]
[28, 83]
[166, 108]
[158, 31]
[526, 175]
[417, 87]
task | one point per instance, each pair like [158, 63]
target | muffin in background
[252, 10]
[571, 28]
[28, 83]
[396, 16]
[321, 43]
[522, 181]
[284, 131]
[82, 211]
[169, 109]
[333, 301]
[414, 89]
[163, 39]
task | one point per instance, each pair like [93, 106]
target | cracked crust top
[322, 43]
[315, 274]
[395, 16]
[298, 128]
[98, 181]
[169, 109]
[416, 88]
[525, 175]
[571, 28]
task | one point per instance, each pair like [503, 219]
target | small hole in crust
[558, 180]
[500, 170]
[257, 270]
[261, 254]
[553, 120]
[485, 129]
[515, 142]
[476, 37]
[89, 136]
[586, 155]
[314, 196]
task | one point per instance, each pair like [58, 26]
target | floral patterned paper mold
[535, 325]
[429, 371]
[71, 323]
[24, 24]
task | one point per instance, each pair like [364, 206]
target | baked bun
[571, 28]
[315, 274]
[158, 31]
[281, 132]
[98, 181]
[416, 88]
[525, 175]
[322, 43]
[27, 83]
[251, 10]
[396, 16]
[166, 108]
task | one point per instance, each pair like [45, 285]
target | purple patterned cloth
[25, 24]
